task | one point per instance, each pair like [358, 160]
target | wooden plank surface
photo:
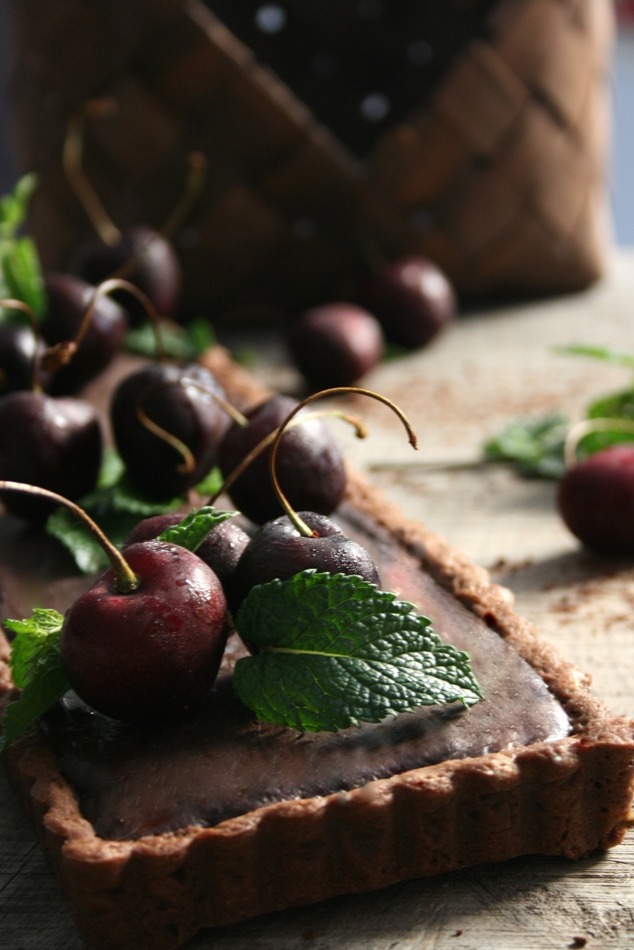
[494, 365]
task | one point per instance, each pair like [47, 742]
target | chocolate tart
[156, 835]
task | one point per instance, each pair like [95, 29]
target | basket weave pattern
[499, 177]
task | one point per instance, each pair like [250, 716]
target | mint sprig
[336, 651]
[195, 527]
[37, 669]
[535, 445]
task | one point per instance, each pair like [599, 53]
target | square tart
[566, 795]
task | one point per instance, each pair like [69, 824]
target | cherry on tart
[145, 642]
[310, 467]
[20, 351]
[168, 423]
[141, 254]
[412, 299]
[157, 274]
[68, 300]
[221, 550]
[336, 344]
[297, 542]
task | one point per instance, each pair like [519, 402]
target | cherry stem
[188, 464]
[11, 304]
[195, 182]
[301, 525]
[586, 427]
[125, 578]
[231, 411]
[73, 162]
[106, 288]
[198, 165]
[360, 432]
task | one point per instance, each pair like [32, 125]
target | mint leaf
[13, 207]
[535, 445]
[31, 635]
[210, 483]
[22, 273]
[179, 343]
[117, 507]
[336, 651]
[195, 527]
[37, 668]
[604, 353]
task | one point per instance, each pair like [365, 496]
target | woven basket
[499, 176]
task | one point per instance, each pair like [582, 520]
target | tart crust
[558, 798]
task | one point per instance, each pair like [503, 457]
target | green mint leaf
[535, 445]
[336, 651]
[13, 207]
[195, 527]
[210, 483]
[603, 353]
[31, 636]
[36, 668]
[112, 468]
[201, 336]
[179, 343]
[46, 685]
[116, 509]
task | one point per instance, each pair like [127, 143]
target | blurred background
[621, 179]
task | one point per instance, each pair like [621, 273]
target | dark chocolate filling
[222, 763]
[359, 65]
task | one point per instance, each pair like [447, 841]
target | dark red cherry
[336, 344]
[51, 443]
[309, 465]
[278, 550]
[596, 500]
[68, 299]
[186, 412]
[412, 299]
[158, 274]
[221, 550]
[17, 351]
[153, 653]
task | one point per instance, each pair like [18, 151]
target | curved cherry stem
[73, 162]
[198, 165]
[11, 304]
[360, 432]
[106, 288]
[586, 427]
[125, 578]
[188, 464]
[301, 525]
[231, 411]
[195, 182]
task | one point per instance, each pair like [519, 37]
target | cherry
[596, 500]
[221, 550]
[157, 272]
[311, 468]
[68, 299]
[279, 550]
[52, 443]
[188, 424]
[336, 344]
[152, 653]
[412, 299]
[18, 348]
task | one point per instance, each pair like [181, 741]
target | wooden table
[494, 365]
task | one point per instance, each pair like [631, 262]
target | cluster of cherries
[145, 642]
